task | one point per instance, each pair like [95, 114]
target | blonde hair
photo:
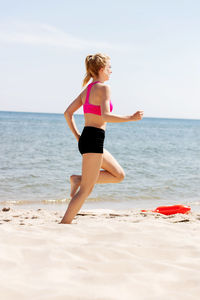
[93, 63]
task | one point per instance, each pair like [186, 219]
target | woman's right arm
[112, 118]
[74, 106]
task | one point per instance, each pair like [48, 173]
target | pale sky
[154, 48]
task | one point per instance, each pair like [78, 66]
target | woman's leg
[91, 165]
[112, 173]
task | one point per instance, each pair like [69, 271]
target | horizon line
[81, 114]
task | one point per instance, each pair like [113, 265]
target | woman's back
[92, 100]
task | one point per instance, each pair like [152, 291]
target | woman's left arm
[74, 106]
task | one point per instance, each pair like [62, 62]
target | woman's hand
[137, 116]
[78, 137]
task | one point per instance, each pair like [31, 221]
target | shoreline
[93, 204]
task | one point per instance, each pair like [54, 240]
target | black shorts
[91, 140]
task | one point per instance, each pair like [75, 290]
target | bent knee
[121, 175]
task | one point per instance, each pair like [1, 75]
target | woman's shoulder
[104, 88]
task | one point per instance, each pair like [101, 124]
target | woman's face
[106, 71]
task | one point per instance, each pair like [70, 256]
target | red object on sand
[171, 210]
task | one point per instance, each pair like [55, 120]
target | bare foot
[75, 181]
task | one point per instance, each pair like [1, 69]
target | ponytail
[86, 79]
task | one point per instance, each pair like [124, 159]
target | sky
[154, 48]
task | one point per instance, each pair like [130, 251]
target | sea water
[160, 157]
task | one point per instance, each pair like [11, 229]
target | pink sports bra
[91, 108]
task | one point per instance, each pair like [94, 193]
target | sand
[102, 255]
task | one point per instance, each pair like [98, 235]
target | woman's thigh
[110, 164]
[91, 165]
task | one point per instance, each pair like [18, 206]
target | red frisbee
[171, 209]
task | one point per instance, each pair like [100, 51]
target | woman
[97, 108]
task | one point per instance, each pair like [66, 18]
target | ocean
[160, 157]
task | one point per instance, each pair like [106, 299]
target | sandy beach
[103, 255]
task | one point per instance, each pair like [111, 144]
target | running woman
[98, 165]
